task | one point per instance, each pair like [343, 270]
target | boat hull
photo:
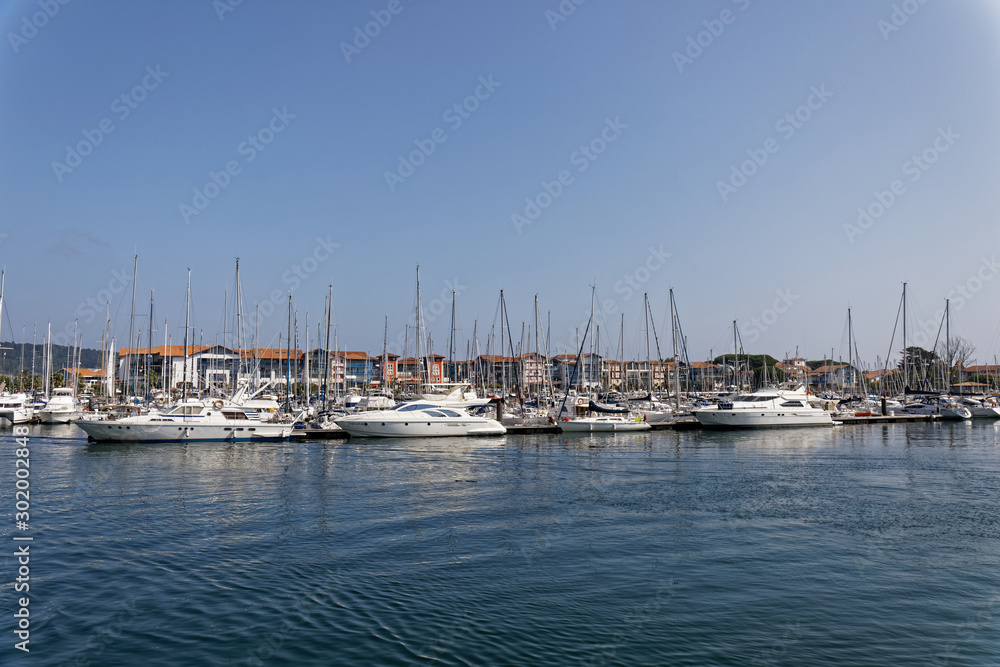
[737, 419]
[374, 427]
[122, 431]
[58, 416]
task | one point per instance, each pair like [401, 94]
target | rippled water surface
[859, 545]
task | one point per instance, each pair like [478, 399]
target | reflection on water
[852, 545]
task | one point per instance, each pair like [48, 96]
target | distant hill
[10, 358]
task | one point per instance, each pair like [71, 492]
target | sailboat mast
[736, 356]
[149, 345]
[536, 375]
[677, 367]
[20, 369]
[187, 324]
[850, 351]
[947, 346]
[48, 361]
[649, 359]
[34, 339]
[385, 355]
[906, 364]
[621, 358]
[451, 342]
[420, 361]
[165, 363]
[288, 358]
[503, 366]
[326, 346]
[131, 324]
[240, 333]
[306, 348]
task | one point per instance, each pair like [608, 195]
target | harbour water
[861, 545]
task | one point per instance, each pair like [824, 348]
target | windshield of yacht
[416, 406]
[185, 410]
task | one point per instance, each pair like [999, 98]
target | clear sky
[775, 163]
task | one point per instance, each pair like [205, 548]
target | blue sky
[775, 163]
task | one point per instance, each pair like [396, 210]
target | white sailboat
[596, 418]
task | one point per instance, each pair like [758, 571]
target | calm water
[871, 545]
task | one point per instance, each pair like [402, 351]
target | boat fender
[218, 404]
[644, 417]
[565, 419]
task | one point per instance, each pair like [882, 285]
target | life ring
[218, 404]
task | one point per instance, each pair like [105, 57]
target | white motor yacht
[764, 408]
[189, 421]
[419, 419]
[17, 408]
[944, 409]
[982, 408]
[61, 408]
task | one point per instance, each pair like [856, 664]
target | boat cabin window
[185, 410]
[433, 413]
[416, 406]
[792, 404]
[450, 413]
